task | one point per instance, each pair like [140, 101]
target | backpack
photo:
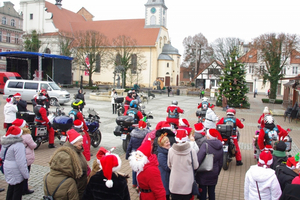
[2, 161]
[73, 114]
[48, 196]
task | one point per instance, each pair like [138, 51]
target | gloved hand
[50, 126]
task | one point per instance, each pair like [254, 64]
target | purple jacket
[214, 147]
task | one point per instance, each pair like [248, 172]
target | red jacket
[261, 120]
[173, 107]
[237, 122]
[150, 178]
[200, 105]
[80, 117]
[261, 138]
[86, 146]
[44, 117]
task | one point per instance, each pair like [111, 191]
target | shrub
[277, 101]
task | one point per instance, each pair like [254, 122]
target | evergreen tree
[233, 83]
[32, 42]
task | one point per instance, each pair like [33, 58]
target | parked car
[28, 88]
[4, 76]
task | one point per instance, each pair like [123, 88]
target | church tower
[155, 14]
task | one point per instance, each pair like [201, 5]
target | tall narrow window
[118, 60]
[98, 63]
[8, 38]
[0, 36]
[17, 39]
[134, 63]
[31, 16]
[13, 22]
[167, 64]
[3, 20]
[152, 20]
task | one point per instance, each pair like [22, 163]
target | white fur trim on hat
[76, 139]
[23, 124]
[19, 135]
[79, 125]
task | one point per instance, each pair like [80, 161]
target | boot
[239, 163]
[51, 146]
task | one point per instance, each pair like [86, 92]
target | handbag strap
[192, 163]
[56, 187]
[5, 152]
[206, 148]
[258, 190]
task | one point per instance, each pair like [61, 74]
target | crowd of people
[165, 162]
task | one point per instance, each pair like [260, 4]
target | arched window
[3, 20]
[165, 40]
[118, 59]
[152, 20]
[47, 50]
[12, 22]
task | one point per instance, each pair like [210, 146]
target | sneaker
[239, 163]
[51, 146]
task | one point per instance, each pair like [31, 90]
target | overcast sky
[213, 18]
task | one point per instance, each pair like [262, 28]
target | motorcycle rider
[210, 118]
[128, 99]
[269, 133]
[76, 114]
[204, 105]
[173, 113]
[41, 117]
[261, 118]
[134, 112]
[235, 122]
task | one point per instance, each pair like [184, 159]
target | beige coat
[180, 163]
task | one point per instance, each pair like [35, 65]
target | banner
[87, 62]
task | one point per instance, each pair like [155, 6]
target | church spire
[156, 14]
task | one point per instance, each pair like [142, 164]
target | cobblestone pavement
[231, 182]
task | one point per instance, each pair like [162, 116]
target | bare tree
[197, 50]
[274, 50]
[93, 45]
[224, 47]
[65, 40]
[128, 56]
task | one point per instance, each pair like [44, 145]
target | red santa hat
[142, 124]
[9, 100]
[181, 135]
[291, 163]
[101, 152]
[43, 90]
[14, 131]
[214, 133]
[184, 122]
[296, 180]
[19, 122]
[78, 123]
[73, 136]
[265, 158]
[110, 163]
[146, 148]
[199, 127]
[163, 125]
[17, 95]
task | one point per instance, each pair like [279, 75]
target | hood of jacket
[209, 111]
[139, 133]
[65, 162]
[261, 174]
[153, 162]
[5, 141]
[162, 150]
[182, 148]
[198, 136]
[215, 143]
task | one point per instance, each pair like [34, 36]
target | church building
[162, 60]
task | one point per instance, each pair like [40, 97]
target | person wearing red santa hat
[292, 191]
[78, 126]
[45, 94]
[199, 134]
[15, 164]
[173, 113]
[261, 118]
[208, 180]
[21, 104]
[75, 142]
[261, 181]
[182, 175]
[210, 118]
[107, 183]
[163, 127]
[184, 124]
[10, 110]
[236, 123]
[30, 145]
[148, 175]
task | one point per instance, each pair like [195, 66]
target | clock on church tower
[155, 14]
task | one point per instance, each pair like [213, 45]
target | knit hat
[184, 122]
[266, 110]
[265, 158]
[142, 124]
[110, 163]
[281, 146]
[181, 135]
[78, 123]
[214, 133]
[17, 95]
[146, 148]
[19, 122]
[14, 131]
[199, 127]
[73, 136]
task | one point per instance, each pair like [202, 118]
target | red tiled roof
[62, 17]
[249, 57]
[68, 21]
[295, 57]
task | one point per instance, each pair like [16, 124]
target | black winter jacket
[291, 192]
[285, 176]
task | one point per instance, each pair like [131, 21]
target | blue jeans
[211, 192]
[134, 181]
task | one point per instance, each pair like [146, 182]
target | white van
[29, 88]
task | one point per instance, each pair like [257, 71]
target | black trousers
[210, 189]
[25, 185]
[8, 125]
[14, 192]
[114, 108]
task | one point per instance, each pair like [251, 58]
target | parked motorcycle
[201, 115]
[125, 126]
[120, 105]
[93, 124]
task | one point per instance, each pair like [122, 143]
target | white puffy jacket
[267, 182]
[10, 111]
[210, 119]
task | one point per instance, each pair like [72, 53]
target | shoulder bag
[48, 196]
[195, 189]
[208, 162]
[2, 161]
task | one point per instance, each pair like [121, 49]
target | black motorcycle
[125, 124]
[201, 115]
[120, 105]
[93, 123]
